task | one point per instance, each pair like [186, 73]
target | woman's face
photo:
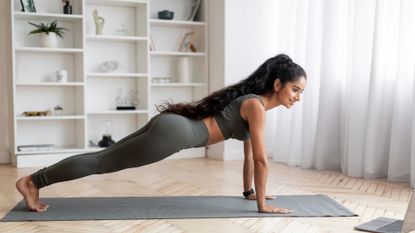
[291, 92]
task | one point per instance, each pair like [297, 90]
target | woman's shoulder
[251, 103]
[243, 98]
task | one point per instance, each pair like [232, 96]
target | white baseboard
[39, 160]
[239, 155]
[288, 161]
[219, 153]
[44, 160]
[189, 153]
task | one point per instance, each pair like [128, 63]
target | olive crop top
[230, 122]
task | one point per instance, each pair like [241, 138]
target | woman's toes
[44, 207]
[41, 209]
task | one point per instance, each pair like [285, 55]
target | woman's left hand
[253, 197]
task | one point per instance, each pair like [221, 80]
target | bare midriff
[215, 135]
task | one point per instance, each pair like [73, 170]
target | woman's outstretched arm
[256, 118]
[256, 115]
[248, 171]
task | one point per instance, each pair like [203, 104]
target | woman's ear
[277, 85]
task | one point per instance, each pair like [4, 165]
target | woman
[237, 111]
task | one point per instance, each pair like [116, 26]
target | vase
[183, 70]
[106, 141]
[49, 40]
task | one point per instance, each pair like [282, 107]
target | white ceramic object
[49, 40]
[99, 23]
[183, 70]
[62, 76]
[109, 66]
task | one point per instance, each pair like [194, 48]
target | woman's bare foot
[30, 194]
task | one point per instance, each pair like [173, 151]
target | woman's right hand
[253, 197]
[271, 209]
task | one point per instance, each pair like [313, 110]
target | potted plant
[49, 33]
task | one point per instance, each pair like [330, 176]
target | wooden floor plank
[368, 198]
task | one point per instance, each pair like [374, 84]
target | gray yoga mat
[174, 207]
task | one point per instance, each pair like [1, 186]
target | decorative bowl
[166, 14]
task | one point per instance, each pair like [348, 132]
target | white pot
[183, 70]
[49, 40]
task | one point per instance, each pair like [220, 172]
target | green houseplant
[49, 33]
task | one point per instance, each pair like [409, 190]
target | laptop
[390, 225]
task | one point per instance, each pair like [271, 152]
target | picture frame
[187, 45]
[28, 5]
[193, 11]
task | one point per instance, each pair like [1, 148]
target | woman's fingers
[282, 210]
[253, 197]
[271, 209]
[270, 197]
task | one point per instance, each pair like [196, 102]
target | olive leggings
[164, 135]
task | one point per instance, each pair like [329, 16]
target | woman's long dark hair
[261, 81]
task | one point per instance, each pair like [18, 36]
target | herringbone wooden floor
[368, 198]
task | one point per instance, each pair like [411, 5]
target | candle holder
[106, 140]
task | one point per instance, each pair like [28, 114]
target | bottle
[67, 8]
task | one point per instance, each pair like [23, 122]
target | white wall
[250, 37]
[217, 65]
[4, 154]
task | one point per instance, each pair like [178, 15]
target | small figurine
[99, 23]
[129, 102]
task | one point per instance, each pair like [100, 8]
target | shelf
[116, 38]
[45, 118]
[47, 16]
[48, 50]
[178, 84]
[88, 93]
[52, 84]
[57, 150]
[111, 75]
[117, 2]
[176, 23]
[95, 149]
[155, 53]
[117, 112]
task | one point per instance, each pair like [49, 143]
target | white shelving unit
[46, 16]
[195, 54]
[130, 49]
[167, 36]
[48, 50]
[88, 97]
[176, 23]
[52, 84]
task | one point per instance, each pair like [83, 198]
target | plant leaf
[47, 28]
